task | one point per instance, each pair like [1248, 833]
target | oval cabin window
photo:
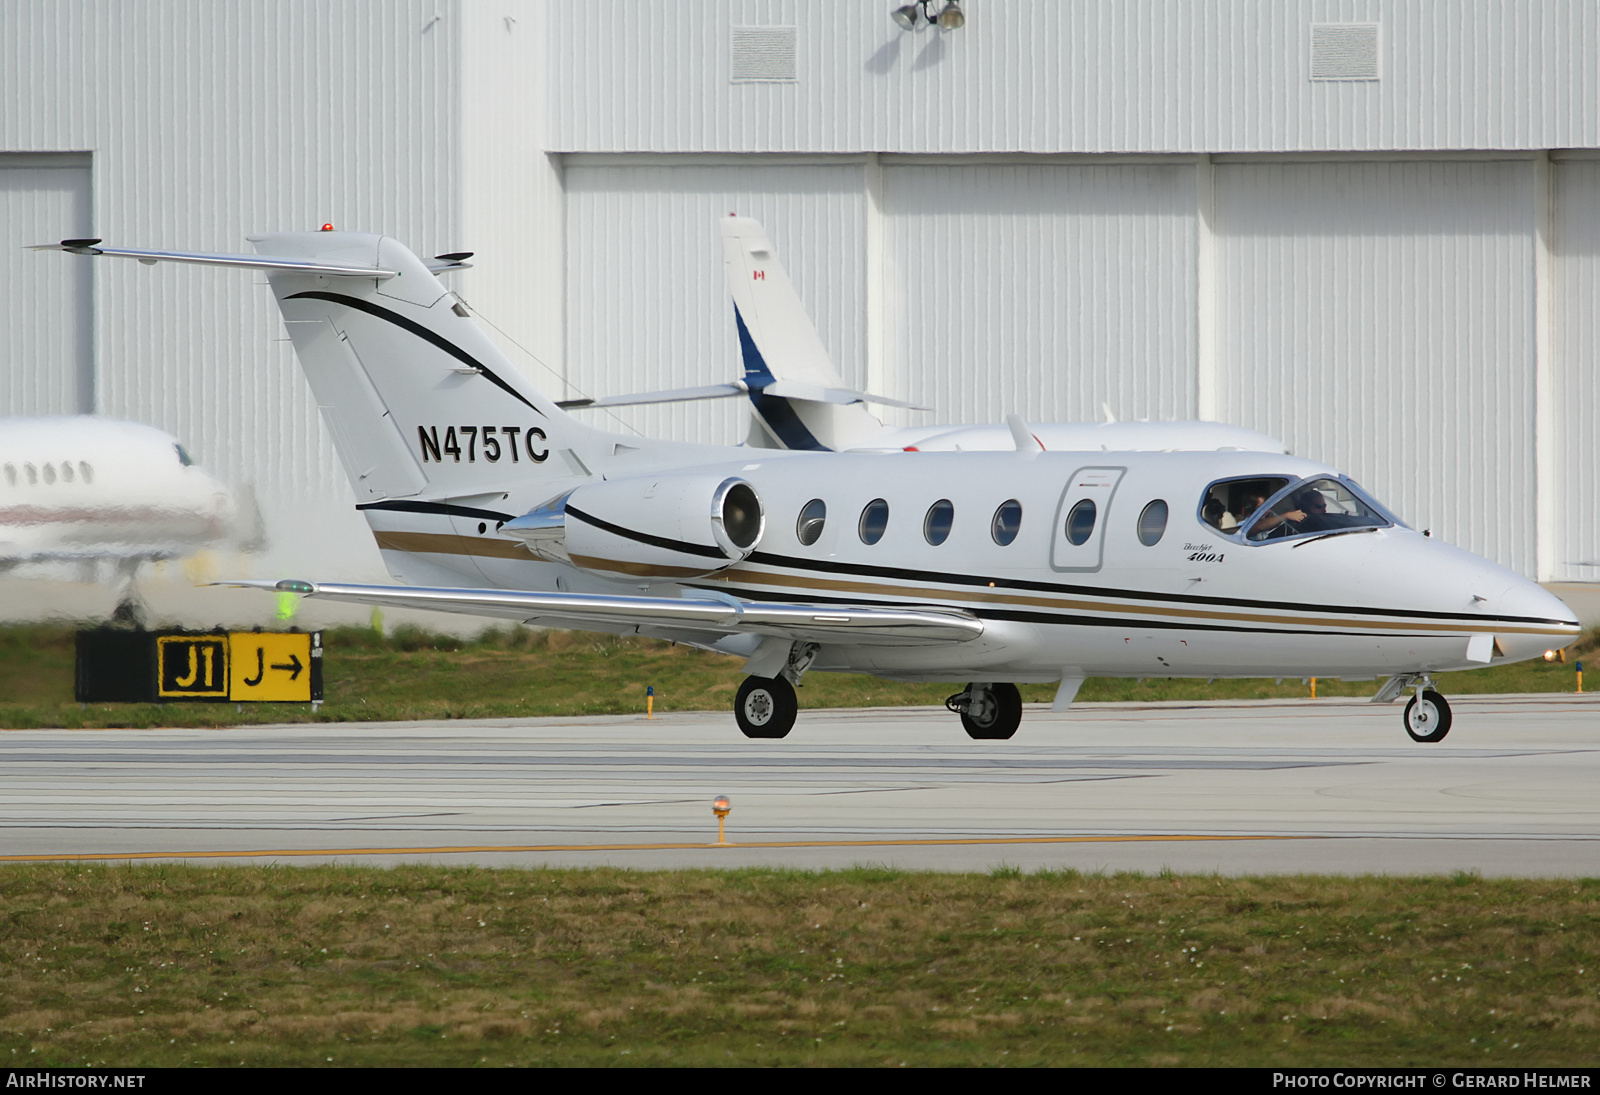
[1080, 522]
[1153, 523]
[1007, 522]
[812, 517]
[936, 526]
[874, 520]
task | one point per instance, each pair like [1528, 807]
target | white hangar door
[46, 340]
[1379, 317]
[646, 305]
[1042, 290]
[1575, 375]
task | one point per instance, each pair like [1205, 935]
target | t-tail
[798, 399]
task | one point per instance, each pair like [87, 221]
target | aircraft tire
[1428, 720]
[999, 718]
[765, 707]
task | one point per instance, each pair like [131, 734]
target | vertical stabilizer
[419, 400]
[797, 397]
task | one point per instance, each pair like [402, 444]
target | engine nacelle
[659, 528]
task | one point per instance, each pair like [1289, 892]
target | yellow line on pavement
[459, 849]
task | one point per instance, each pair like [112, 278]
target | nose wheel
[1427, 716]
[765, 707]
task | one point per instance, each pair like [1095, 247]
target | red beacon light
[327, 228]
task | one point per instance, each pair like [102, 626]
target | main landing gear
[765, 707]
[989, 712]
[1427, 715]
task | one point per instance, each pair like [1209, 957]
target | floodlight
[952, 18]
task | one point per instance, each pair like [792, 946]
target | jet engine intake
[654, 528]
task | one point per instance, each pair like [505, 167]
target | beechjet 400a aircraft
[987, 567]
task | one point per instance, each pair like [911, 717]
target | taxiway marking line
[457, 849]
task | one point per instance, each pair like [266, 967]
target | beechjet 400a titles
[992, 567]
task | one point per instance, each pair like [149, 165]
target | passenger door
[1078, 539]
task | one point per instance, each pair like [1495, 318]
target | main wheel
[1428, 720]
[996, 715]
[765, 707]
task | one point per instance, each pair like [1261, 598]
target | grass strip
[518, 673]
[180, 965]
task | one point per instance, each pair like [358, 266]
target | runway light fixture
[721, 807]
[915, 16]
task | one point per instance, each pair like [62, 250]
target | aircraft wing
[863, 625]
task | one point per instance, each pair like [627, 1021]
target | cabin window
[1153, 523]
[1080, 522]
[813, 515]
[32, 473]
[11, 475]
[1007, 522]
[874, 520]
[1315, 507]
[936, 526]
[1229, 504]
[66, 471]
[86, 471]
[49, 473]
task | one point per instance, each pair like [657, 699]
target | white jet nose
[1534, 607]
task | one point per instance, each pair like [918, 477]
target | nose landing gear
[1427, 715]
[989, 712]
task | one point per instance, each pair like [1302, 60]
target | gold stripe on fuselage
[438, 543]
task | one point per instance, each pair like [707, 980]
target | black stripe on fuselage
[827, 566]
[421, 332]
[441, 508]
[645, 537]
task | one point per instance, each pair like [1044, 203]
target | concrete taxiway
[1271, 787]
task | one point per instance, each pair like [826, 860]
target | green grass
[176, 965]
[516, 672]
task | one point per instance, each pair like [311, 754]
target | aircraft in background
[799, 400]
[88, 489]
[990, 567]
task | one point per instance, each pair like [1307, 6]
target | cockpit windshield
[1315, 506]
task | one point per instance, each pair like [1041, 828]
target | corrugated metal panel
[647, 306]
[1577, 369]
[1077, 76]
[210, 121]
[1378, 316]
[46, 338]
[1041, 290]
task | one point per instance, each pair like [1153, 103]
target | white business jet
[798, 399]
[987, 567]
[83, 488]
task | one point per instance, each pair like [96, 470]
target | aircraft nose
[1529, 602]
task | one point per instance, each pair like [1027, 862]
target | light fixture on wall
[915, 15]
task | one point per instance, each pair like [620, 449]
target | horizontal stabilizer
[670, 395]
[816, 393]
[786, 389]
[249, 262]
[863, 625]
